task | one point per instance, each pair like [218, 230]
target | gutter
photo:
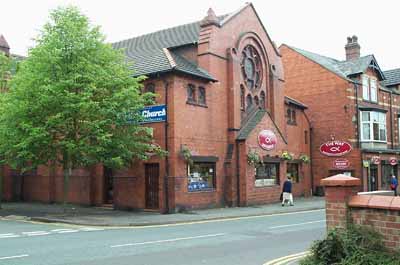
[166, 188]
[311, 149]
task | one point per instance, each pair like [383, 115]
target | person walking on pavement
[287, 192]
[394, 184]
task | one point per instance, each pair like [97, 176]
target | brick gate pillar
[338, 191]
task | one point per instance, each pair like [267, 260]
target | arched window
[242, 97]
[150, 88]
[249, 101]
[256, 101]
[202, 95]
[262, 100]
[191, 93]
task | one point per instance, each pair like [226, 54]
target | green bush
[353, 246]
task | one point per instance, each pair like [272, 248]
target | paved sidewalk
[96, 216]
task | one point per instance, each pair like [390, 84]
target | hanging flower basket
[304, 158]
[186, 154]
[253, 159]
[286, 155]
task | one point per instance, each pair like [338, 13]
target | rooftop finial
[210, 19]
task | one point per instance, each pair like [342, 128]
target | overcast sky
[314, 25]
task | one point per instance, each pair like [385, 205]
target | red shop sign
[393, 161]
[341, 163]
[375, 160]
[335, 148]
[267, 140]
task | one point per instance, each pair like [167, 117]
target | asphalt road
[251, 240]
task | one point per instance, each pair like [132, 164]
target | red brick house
[220, 85]
[354, 110]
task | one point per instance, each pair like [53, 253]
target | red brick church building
[220, 86]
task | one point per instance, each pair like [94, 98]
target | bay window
[373, 126]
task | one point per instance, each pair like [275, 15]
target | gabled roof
[149, 56]
[392, 77]
[344, 69]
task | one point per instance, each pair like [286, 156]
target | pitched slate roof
[344, 69]
[392, 77]
[250, 124]
[149, 55]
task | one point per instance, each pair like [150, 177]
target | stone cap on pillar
[340, 180]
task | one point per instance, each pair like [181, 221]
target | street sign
[375, 160]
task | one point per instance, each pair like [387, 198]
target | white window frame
[381, 124]
[365, 87]
[373, 90]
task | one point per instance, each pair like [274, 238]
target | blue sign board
[154, 114]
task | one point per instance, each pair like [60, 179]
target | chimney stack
[352, 48]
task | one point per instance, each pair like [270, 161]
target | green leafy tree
[5, 70]
[68, 102]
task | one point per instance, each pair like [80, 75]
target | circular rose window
[251, 67]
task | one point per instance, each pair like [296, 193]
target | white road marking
[15, 257]
[36, 233]
[52, 232]
[59, 230]
[166, 240]
[89, 229]
[9, 236]
[33, 232]
[281, 226]
[67, 231]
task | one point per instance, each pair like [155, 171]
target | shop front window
[387, 172]
[292, 172]
[267, 175]
[201, 176]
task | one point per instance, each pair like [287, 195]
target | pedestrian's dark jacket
[287, 186]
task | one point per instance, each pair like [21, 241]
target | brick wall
[344, 206]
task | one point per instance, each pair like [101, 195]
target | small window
[202, 95]
[249, 102]
[267, 175]
[191, 93]
[262, 100]
[242, 97]
[201, 176]
[150, 88]
[365, 87]
[292, 172]
[374, 90]
[256, 101]
[291, 116]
